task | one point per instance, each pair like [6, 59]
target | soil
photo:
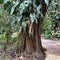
[23, 56]
[10, 54]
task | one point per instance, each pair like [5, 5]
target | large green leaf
[47, 2]
[1, 46]
[7, 7]
[24, 6]
[33, 17]
[5, 1]
[2, 37]
[13, 8]
[14, 35]
[24, 24]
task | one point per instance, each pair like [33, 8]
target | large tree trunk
[31, 43]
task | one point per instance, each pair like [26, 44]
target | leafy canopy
[25, 10]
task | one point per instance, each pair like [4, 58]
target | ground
[52, 50]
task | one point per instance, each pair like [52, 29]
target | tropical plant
[30, 14]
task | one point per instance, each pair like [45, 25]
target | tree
[51, 21]
[30, 15]
[54, 14]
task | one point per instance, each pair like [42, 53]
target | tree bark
[31, 43]
[59, 25]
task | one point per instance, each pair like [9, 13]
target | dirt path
[52, 49]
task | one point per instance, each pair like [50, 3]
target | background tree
[52, 19]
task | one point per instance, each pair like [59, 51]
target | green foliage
[2, 37]
[1, 1]
[47, 26]
[29, 9]
[54, 15]
[14, 6]
[14, 37]
[47, 2]
[51, 21]
[8, 25]
[24, 24]
[57, 34]
[24, 6]
[7, 7]
[33, 17]
[1, 46]
[5, 1]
